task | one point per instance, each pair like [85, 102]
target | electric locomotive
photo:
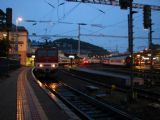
[46, 60]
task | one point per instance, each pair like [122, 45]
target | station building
[19, 34]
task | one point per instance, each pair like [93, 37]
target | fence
[7, 64]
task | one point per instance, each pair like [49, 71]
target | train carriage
[121, 60]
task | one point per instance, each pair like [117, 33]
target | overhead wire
[102, 12]
[59, 19]
[69, 31]
[58, 11]
[111, 25]
[45, 15]
[114, 24]
[70, 11]
[87, 29]
[96, 17]
[53, 24]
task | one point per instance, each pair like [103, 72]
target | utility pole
[124, 4]
[150, 44]
[148, 25]
[78, 52]
[18, 20]
[79, 34]
[130, 37]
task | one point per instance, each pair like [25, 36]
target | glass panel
[41, 53]
[52, 53]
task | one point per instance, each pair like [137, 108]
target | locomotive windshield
[52, 53]
[49, 53]
[41, 53]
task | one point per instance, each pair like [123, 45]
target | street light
[18, 20]
[4, 35]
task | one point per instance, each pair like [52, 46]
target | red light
[85, 62]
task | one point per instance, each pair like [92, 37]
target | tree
[4, 47]
[155, 46]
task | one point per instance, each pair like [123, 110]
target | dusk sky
[113, 21]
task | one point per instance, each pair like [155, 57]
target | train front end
[46, 60]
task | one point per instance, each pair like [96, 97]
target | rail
[88, 107]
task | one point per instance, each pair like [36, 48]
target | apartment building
[19, 34]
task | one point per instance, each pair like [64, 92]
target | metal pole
[129, 33]
[7, 52]
[18, 20]
[16, 42]
[78, 39]
[131, 45]
[150, 45]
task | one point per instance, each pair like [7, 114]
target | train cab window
[41, 53]
[52, 52]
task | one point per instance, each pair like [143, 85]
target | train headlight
[40, 65]
[53, 65]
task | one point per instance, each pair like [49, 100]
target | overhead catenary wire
[111, 25]
[70, 11]
[102, 29]
[107, 36]
[75, 30]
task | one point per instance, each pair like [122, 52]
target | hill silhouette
[71, 46]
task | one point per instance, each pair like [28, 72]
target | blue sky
[113, 19]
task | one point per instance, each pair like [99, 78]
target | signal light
[9, 17]
[124, 4]
[146, 16]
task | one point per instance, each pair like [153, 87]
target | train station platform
[111, 74]
[22, 98]
[110, 77]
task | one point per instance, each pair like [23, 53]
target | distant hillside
[71, 45]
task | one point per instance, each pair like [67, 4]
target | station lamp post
[18, 21]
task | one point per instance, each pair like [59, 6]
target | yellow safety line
[36, 101]
[20, 91]
[23, 110]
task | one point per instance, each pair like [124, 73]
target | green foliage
[4, 47]
[155, 46]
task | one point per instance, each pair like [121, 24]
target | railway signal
[146, 16]
[124, 4]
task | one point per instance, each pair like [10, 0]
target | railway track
[71, 98]
[142, 93]
[87, 107]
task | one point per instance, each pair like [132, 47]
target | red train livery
[46, 59]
